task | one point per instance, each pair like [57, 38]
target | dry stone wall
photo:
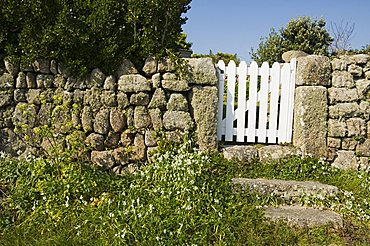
[116, 115]
[349, 111]
[332, 109]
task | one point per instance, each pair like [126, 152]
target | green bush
[219, 56]
[87, 34]
[363, 50]
[301, 34]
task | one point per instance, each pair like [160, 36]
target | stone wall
[332, 109]
[116, 115]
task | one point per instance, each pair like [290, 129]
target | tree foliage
[183, 43]
[302, 34]
[87, 34]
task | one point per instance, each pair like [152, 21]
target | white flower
[320, 197]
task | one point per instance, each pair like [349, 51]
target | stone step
[287, 190]
[248, 153]
[304, 216]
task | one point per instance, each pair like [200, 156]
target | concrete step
[303, 216]
[287, 190]
[248, 153]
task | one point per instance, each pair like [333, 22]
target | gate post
[310, 106]
[203, 102]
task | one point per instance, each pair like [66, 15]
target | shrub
[219, 56]
[87, 34]
[363, 50]
[302, 34]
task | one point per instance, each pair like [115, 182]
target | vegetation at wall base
[182, 198]
[84, 35]
[354, 185]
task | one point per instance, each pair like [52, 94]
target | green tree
[87, 34]
[182, 43]
[302, 34]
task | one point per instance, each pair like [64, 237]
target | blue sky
[234, 26]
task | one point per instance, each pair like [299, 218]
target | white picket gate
[264, 115]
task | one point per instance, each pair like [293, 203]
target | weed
[182, 198]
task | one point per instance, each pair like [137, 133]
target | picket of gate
[265, 115]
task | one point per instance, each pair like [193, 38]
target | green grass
[182, 198]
